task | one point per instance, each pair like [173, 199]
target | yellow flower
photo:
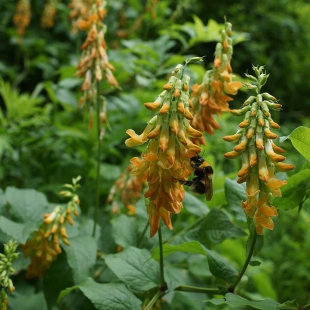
[260, 155]
[167, 156]
[211, 97]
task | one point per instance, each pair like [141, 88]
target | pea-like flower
[261, 157]
[169, 149]
[211, 96]
[43, 247]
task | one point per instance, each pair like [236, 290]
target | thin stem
[161, 257]
[246, 263]
[153, 300]
[143, 233]
[206, 290]
[98, 159]
[306, 307]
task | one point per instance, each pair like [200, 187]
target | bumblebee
[202, 183]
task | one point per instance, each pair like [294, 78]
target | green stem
[246, 263]
[161, 258]
[206, 290]
[153, 300]
[143, 233]
[98, 160]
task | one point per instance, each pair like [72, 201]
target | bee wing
[208, 186]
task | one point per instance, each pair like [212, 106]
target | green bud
[177, 69]
[241, 111]
[250, 86]
[263, 79]
[228, 28]
[251, 77]
[254, 108]
[269, 97]
[249, 100]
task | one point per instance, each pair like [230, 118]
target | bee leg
[184, 182]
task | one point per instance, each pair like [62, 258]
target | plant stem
[143, 233]
[161, 258]
[306, 307]
[206, 290]
[246, 263]
[98, 160]
[153, 300]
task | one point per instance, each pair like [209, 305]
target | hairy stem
[246, 263]
[98, 160]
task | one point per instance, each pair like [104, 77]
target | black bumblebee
[202, 183]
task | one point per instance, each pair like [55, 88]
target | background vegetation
[45, 141]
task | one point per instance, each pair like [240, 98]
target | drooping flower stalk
[43, 247]
[22, 16]
[261, 157]
[126, 190]
[93, 67]
[169, 149]
[211, 96]
[49, 14]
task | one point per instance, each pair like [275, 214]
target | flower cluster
[169, 149]
[79, 10]
[210, 97]
[127, 189]
[6, 269]
[49, 14]
[261, 157]
[22, 16]
[43, 247]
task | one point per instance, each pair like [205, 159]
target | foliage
[45, 142]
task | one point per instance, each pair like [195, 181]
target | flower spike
[260, 155]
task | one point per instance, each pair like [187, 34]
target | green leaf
[220, 268]
[194, 205]
[124, 231]
[293, 193]
[26, 205]
[234, 301]
[188, 247]
[213, 229]
[57, 278]
[289, 305]
[81, 255]
[300, 138]
[235, 193]
[27, 301]
[18, 231]
[135, 268]
[110, 296]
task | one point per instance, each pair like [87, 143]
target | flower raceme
[169, 149]
[22, 16]
[261, 157]
[211, 96]
[43, 247]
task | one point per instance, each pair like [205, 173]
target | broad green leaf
[194, 205]
[213, 229]
[235, 193]
[135, 268]
[289, 305]
[293, 193]
[3, 201]
[24, 301]
[189, 247]
[18, 231]
[26, 205]
[300, 138]
[234, 301]
[81, 255]
[220, 267]
[110, 296]
[57, 278]
[124, 231]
